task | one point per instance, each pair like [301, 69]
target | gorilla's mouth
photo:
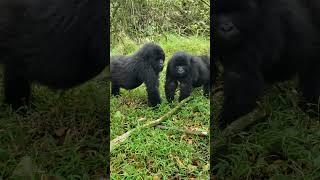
[161, 65]
[180, 74]
[180, 70]
[225, 46]
[228, 40]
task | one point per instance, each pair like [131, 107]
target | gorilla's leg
[185, 89]
[152, 85]
[115, 89]
[170, 89]
[241, 90]
[16, 86]
[310, 87]
[206, 90]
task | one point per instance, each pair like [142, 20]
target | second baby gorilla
[189, 71]
[144, 66]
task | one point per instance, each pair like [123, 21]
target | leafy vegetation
[141, 19]
[283, 145]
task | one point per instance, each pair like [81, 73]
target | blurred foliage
[153, 18]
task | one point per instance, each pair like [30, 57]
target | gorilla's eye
[161, 62]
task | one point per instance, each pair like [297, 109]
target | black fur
[189, 71]
[58, 43]
[144, 66]
[265, 41]
[214, 73]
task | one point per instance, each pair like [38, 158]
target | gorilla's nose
[226, 27]
[180, 70]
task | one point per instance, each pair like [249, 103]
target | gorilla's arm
[115, 89]
[206, 89]
[151, 80]
[243, 84]
[17, 87]
[170, 88]
[185, 88]
[213, 74]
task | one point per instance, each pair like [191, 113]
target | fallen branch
[243, 122]
[235, 127]
[200, 133]
[141, 119]
[240, 124]
[206, 3]
[216, 144]
[118, 140]
[217, 89]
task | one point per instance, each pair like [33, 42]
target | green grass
[63, 134]
[285, 145]
[157, 153]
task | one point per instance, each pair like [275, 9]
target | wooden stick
[118, 140]
[243, 122]
[217, 89]
[235, 127]
[200, 133]
[239, 124]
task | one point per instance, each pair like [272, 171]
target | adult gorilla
[265, 41]
[144, 66]
[58, 43]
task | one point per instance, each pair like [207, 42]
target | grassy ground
[62, 136]
[284, 145]
[157, 153]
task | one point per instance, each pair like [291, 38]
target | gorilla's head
[154, 55]
[179, 65]
[236, 21]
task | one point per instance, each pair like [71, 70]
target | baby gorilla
[189, 71]
[144, 66]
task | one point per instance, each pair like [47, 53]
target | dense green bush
[151, 18]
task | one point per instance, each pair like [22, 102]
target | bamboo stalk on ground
[200, 133]
[235, 127]
[118, 140]
[241, 124]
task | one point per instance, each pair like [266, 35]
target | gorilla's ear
[142, 54]
[146, 56]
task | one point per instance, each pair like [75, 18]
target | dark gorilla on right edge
[265, 41]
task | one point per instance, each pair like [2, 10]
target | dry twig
[200, 133]
[118, 140]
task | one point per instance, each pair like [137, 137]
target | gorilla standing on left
[144, 66]
[57, 43]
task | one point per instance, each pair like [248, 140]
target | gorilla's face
[154, 55]
[235, 22]
[180, 65]
[157, 61]
[181, 70]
